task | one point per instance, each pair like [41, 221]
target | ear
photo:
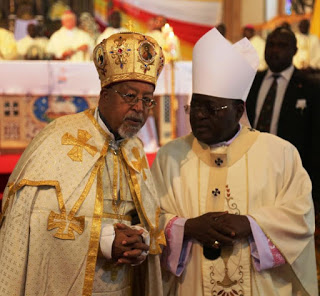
[240, 110]
[104, 92]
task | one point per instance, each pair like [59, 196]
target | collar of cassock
[225, 154]
[116, 138]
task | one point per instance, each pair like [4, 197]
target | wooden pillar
[281, 6]
[232, 19]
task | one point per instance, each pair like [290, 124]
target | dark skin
[115, 19]
[248, 32]
[304, 26]
[212, 127]
[280, 49]
[127, 246]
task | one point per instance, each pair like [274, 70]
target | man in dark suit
[294, 110]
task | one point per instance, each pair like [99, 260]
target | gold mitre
[128, 56]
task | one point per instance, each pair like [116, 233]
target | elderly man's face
[122, 117]
[214, 120]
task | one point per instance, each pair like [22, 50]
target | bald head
[69, 20]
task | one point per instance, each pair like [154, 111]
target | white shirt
[283, 81]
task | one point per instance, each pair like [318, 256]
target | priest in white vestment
[8, 45]
[236, 203]
[69, 42]
[80, 212]
[32, 46]
[308, 53]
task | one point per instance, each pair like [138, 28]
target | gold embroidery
[66, 226]
[116, 216]
[95, 231]
[231, 204]
[141, 163]
[120, 52]
[156, 235]
[115, 182]
[226, 252]
[79, 143]
[113, 269]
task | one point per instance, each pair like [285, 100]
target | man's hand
[239, 224]
[127, 247]
[206, 229]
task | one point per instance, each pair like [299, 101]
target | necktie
[265, 116]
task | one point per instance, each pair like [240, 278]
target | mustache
[134, 117]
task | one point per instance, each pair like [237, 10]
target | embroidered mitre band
[128, 56]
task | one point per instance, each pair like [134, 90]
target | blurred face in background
[69, 21]
[280, 49]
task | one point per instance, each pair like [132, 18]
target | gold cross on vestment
[141, 163]
[65, 226]
[79, 143]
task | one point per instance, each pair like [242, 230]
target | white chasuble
[55, 202]
[259, 175]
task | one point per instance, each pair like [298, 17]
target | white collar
[102, 124]
[286, 74]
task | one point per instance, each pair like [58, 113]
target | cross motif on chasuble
[66, 227]
[79, 144]
[141, 163]
[216, 192]
[218, 161]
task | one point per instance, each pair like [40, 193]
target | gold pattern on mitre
[128, 56]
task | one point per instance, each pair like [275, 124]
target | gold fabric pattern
[230, 201]
[141, 163]
[128, 56]
[156, 235]
[67, 202]
[66, 227]
[79, 143]
[116, 216]
[120, 51]
[95, 231]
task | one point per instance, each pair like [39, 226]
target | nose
[138, 107]
[201, 113]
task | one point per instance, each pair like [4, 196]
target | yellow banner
[101, 9]
[315, 20]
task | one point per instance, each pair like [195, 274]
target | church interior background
[33, 93]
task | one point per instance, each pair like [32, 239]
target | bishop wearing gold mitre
[80, 210]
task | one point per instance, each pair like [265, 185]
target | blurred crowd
[76, 38]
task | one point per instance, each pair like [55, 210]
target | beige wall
[252, 12]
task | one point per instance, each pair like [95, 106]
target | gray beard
[128, 131]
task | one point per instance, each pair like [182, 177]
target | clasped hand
[217, 226]
[128, 245]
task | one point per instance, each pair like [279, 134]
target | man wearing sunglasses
[236, 203]
[80, 210]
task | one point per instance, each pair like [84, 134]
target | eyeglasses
[207, 108]
[132, 99]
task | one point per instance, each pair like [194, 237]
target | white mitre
[221, 69]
